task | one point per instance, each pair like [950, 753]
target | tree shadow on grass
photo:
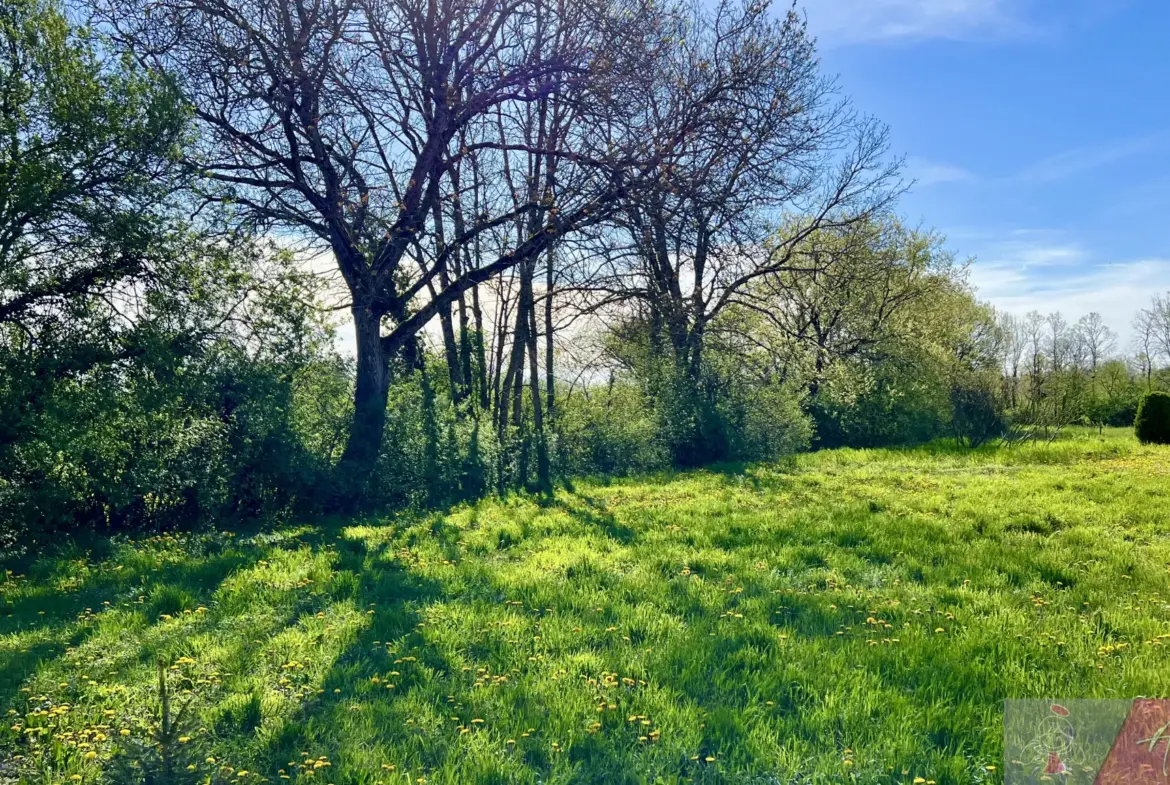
[56, 619]
[352, 718]
[360, 676]
[594, 514]
[189, 588]
[424, 724]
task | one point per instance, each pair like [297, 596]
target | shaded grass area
[846, 616]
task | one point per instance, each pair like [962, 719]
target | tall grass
[846, 616]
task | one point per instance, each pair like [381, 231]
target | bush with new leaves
[976, 414]
[1152, 424]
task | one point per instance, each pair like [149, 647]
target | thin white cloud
[1071, 163]
[1028, 254]
[854, 21]
[1020, 277]
[927, 173]
[1052, 169]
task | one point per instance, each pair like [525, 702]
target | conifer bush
[1152, 424]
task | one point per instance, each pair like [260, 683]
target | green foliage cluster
[861, 406]
[430, 455]
[1057, 374]
[153, 373]
[1113, 396]
[877, 325]
[731, 408]
[609, 429]
[1152, 423]
[1107, 398]
[976, 414]
[222, 431]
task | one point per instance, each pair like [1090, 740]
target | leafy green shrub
[857, 406]
[1112, 412]
[431, 453]
[610, 430]
[1121, 414]
[1152, 424]
[212, 438]
[690, 417]
[975, 416]
[764, 421]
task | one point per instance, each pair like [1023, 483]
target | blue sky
[1038, 131]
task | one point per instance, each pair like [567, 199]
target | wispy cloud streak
[1019, 276]
[852, 21]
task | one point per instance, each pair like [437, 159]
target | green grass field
[848, 616]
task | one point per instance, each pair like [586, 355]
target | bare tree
[352, 123]
[1059, 340]
[1160, 324]
[1033, 327]
[1145, 340]
[1096, 339]
[780, 157]
[1015, 344]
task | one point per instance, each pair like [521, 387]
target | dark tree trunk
[543, 479]
[480, 352]
[369, 406]
[446, 323]
[465, 351]
[462, 265]
[549, 378]
[514, 376]
[451, 355]
[695, 358]
[499, 339]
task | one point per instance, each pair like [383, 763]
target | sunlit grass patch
[847, 616]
